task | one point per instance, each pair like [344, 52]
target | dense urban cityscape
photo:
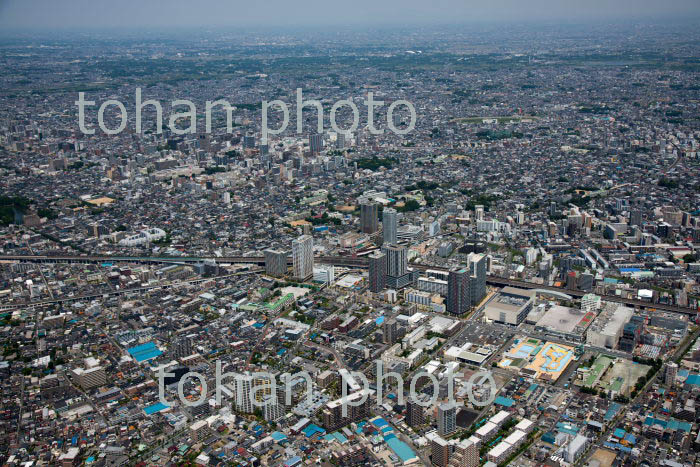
[497, 265]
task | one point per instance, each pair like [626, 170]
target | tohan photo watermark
[248, 387]
[276, 105]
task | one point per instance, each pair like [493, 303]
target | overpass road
[343, 261]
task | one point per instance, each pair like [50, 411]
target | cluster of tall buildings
[454, 452]
[302, 259]
[388, 268]
[466, 286]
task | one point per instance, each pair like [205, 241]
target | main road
[345, 261]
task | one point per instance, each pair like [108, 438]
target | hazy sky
[90, 14]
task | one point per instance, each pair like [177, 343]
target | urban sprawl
[539, 223]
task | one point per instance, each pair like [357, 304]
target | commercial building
[510, 306]
[607, 329]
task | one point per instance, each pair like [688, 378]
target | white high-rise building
[389, 217]
[303, 257]
[447, 418]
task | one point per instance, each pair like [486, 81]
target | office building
[377, 272]
[275, 262]
[447, 418]
[340, 141]
[389, 221]
[303, 257]
[458, 291]
[369, 217]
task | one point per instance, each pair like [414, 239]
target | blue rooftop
[379, 422]
[504, 401]
[567, 428]
[612, 411]
[401, 449]
[144, 352]
[693, 379]
[155, 408]
[278, 436]
[337, 437]
[312, 429]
